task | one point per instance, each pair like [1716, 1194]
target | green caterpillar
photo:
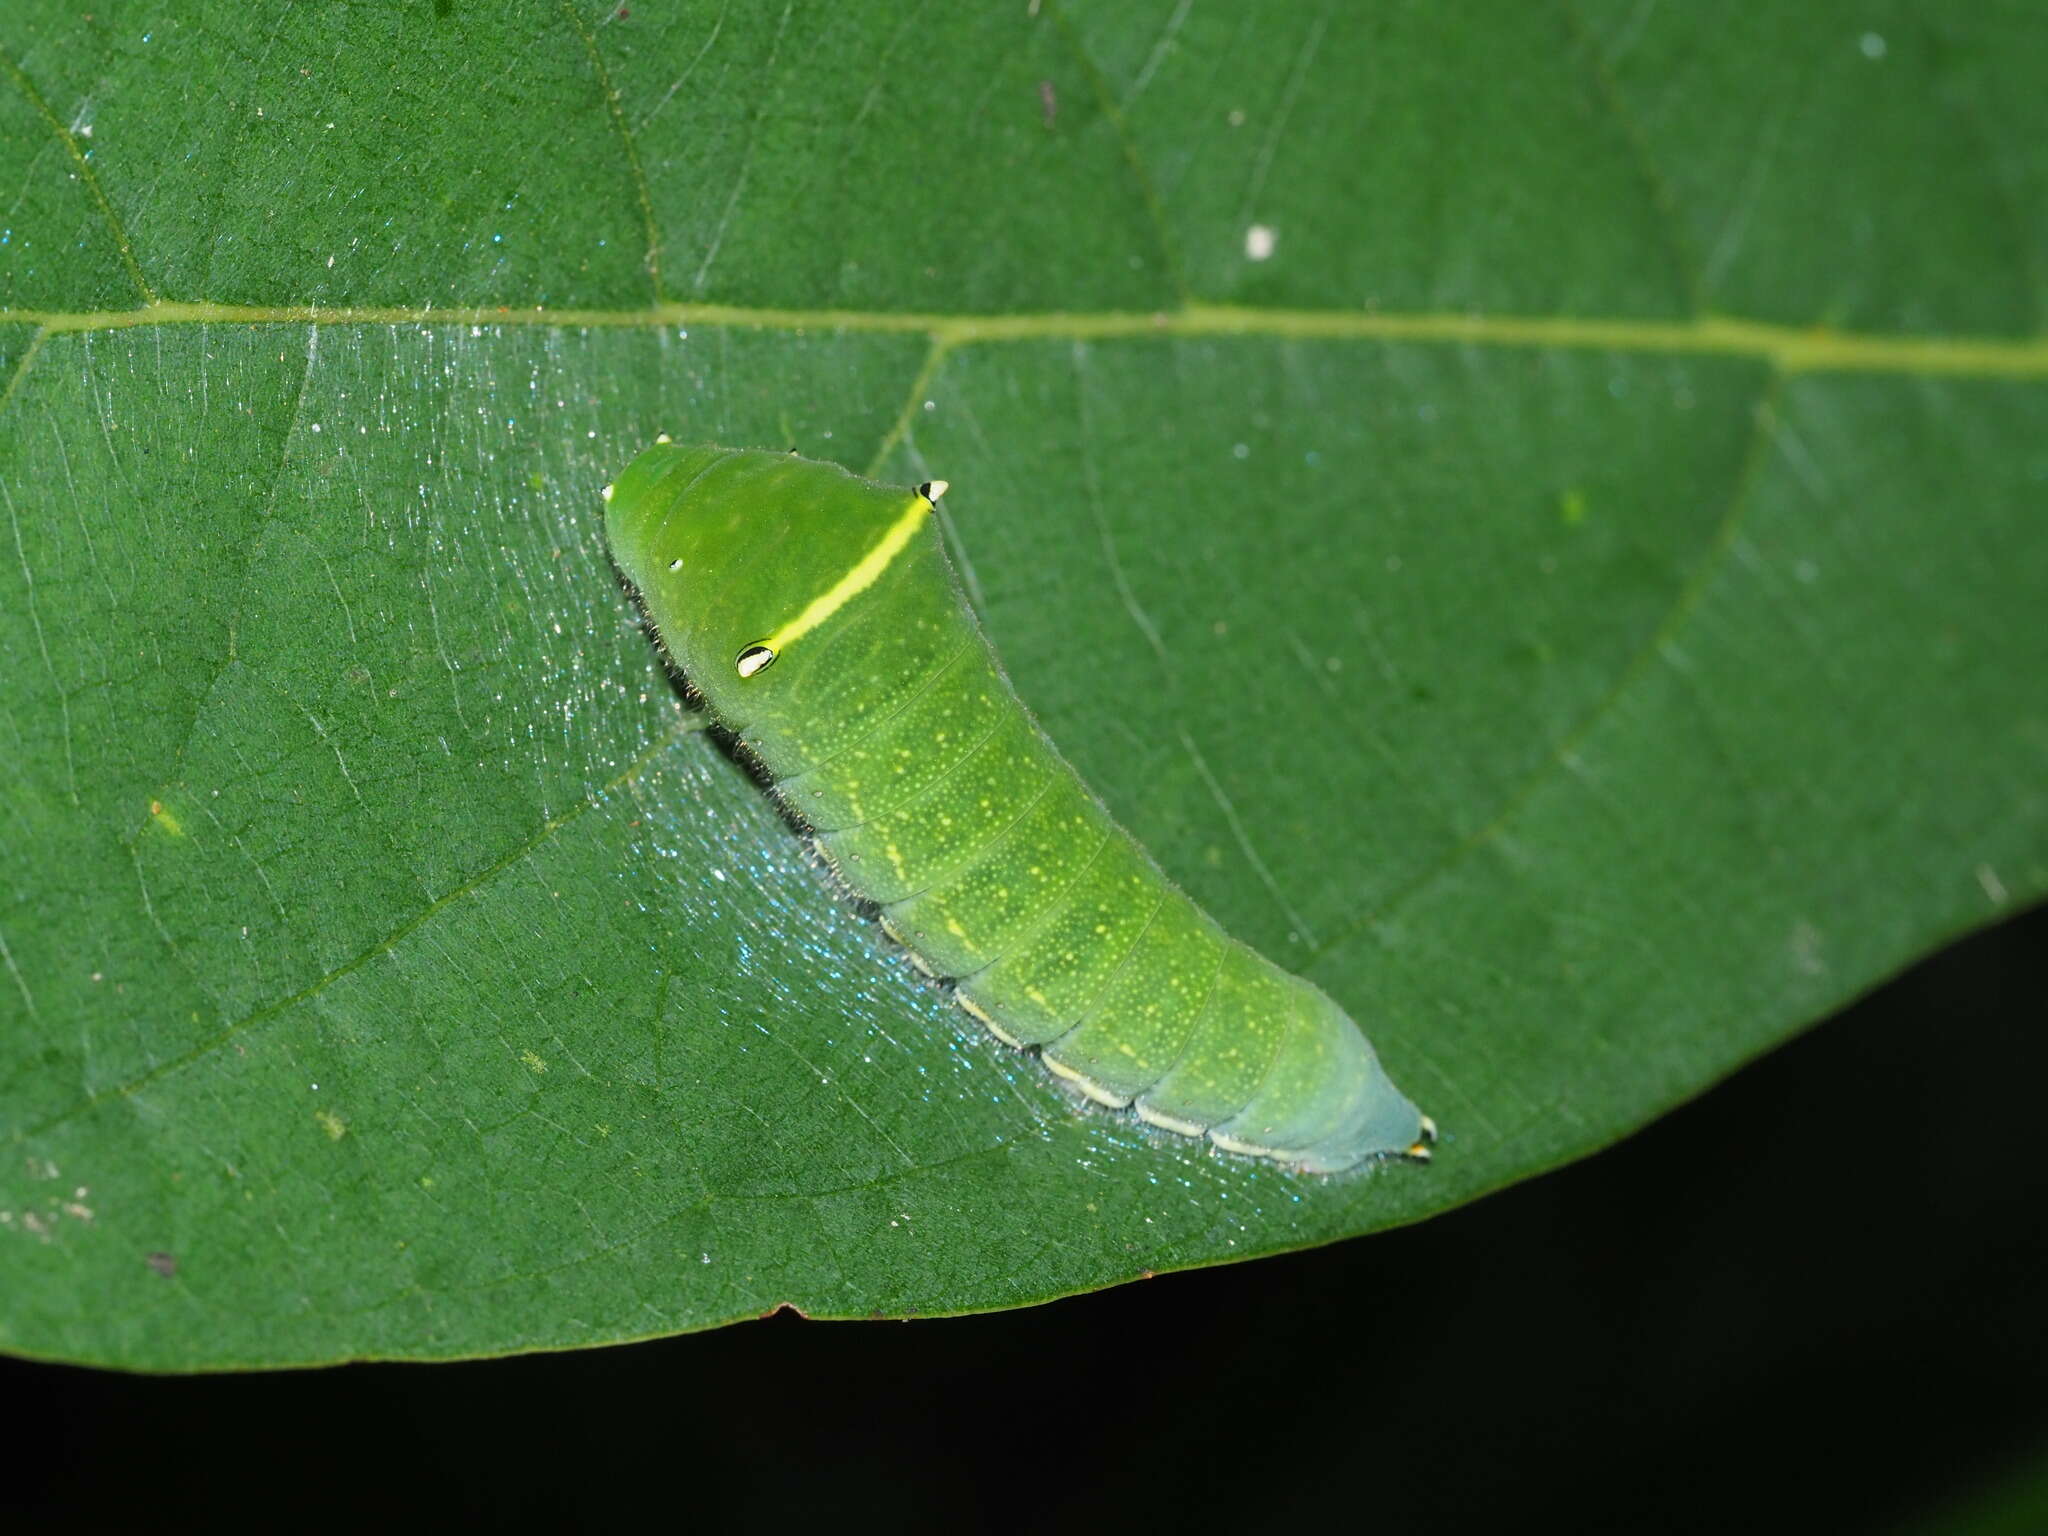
[817, 617]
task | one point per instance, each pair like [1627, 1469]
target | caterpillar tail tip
[1420, 1151]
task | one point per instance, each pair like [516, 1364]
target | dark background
[1811, 1300]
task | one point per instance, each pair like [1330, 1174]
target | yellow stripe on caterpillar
[856, 581]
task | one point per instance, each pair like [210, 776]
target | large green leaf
[1533, 513]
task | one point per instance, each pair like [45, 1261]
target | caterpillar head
[746, 557]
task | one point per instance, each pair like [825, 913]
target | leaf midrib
[1789, 348]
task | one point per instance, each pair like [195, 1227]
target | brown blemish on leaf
[163, 1264]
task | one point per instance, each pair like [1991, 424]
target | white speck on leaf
[1993, 886]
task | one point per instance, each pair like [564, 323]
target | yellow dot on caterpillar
[663, 437]
[752, 660]
[605, 494]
